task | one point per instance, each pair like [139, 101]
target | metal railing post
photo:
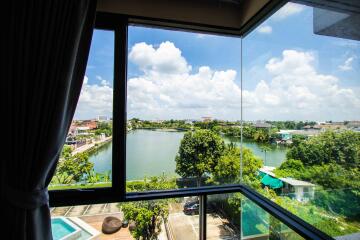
[202, 217]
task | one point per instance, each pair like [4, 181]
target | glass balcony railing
[229, 214]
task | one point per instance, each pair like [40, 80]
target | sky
[288, 72]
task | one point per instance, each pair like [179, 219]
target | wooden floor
[94, 216]
[96, 222]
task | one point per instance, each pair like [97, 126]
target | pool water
[61, 229]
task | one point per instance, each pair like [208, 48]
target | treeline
[332, 161]
[136, 123]
[77, 169]
[228, 128]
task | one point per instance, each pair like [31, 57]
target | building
[262, 125]
[206, 119]
[297, 189]
[285, 135]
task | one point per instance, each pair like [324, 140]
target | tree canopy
[342, 148]
[228, 167]
[199, 153]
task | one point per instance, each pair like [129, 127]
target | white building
[300, 190]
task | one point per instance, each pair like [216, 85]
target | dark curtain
[44, 60]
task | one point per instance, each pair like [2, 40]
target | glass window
[301, 110]
[183, 89]
[233, 216]
[86, 157]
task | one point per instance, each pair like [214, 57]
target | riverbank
[89, 146]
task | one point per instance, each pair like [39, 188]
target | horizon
[224, 120]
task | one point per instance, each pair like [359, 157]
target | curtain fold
[45, 54]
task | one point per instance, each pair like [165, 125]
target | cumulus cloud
[266, 29]
[347, 65]
[296, 90]
[293, 89]
[288, 10]
[95, 99]
[165, 59]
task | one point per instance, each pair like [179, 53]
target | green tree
[261, 135]
[198, 154]
[329, 147]
[228, 167]
[74, 168]
[147, 215]
[66, 151]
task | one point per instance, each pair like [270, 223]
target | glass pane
[182, 88]
[233, 216]
[86, 157]
[301, 112]
[154, 219]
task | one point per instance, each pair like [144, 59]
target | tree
[261, 136]
[329, 147]
[198, 154]
[104, 127]
[228, 167]
[66, 151]
[147, 215]
[73, 168]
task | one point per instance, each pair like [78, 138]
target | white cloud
[296, 90]
[266, 29]
[94, 100]
[168, 89]
[347, 65]
[290, 88]
[165, 59]
[288, 10]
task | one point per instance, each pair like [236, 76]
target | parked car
[191, 209]
[192, 202]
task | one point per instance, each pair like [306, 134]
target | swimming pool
[63, 229]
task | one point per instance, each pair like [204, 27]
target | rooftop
[295, 182]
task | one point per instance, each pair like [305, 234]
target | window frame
[117, 192]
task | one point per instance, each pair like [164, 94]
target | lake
[152, 153]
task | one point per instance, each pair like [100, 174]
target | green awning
[271, 182]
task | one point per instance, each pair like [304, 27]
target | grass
[79, 186]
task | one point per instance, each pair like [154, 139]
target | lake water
[152, 153]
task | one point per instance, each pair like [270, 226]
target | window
[213, 118]
[86, 157]
[182, 87]
[301, 110]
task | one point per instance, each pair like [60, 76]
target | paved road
[186, 227]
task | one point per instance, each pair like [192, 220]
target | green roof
[271, 182]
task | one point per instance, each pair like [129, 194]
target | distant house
[353, 124]
[206, 119]
[312, 128]
[91, 124]
[285, 135]
[82, 131]
[299, 190]
[262, 125]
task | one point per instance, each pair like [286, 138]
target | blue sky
[289, 73]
